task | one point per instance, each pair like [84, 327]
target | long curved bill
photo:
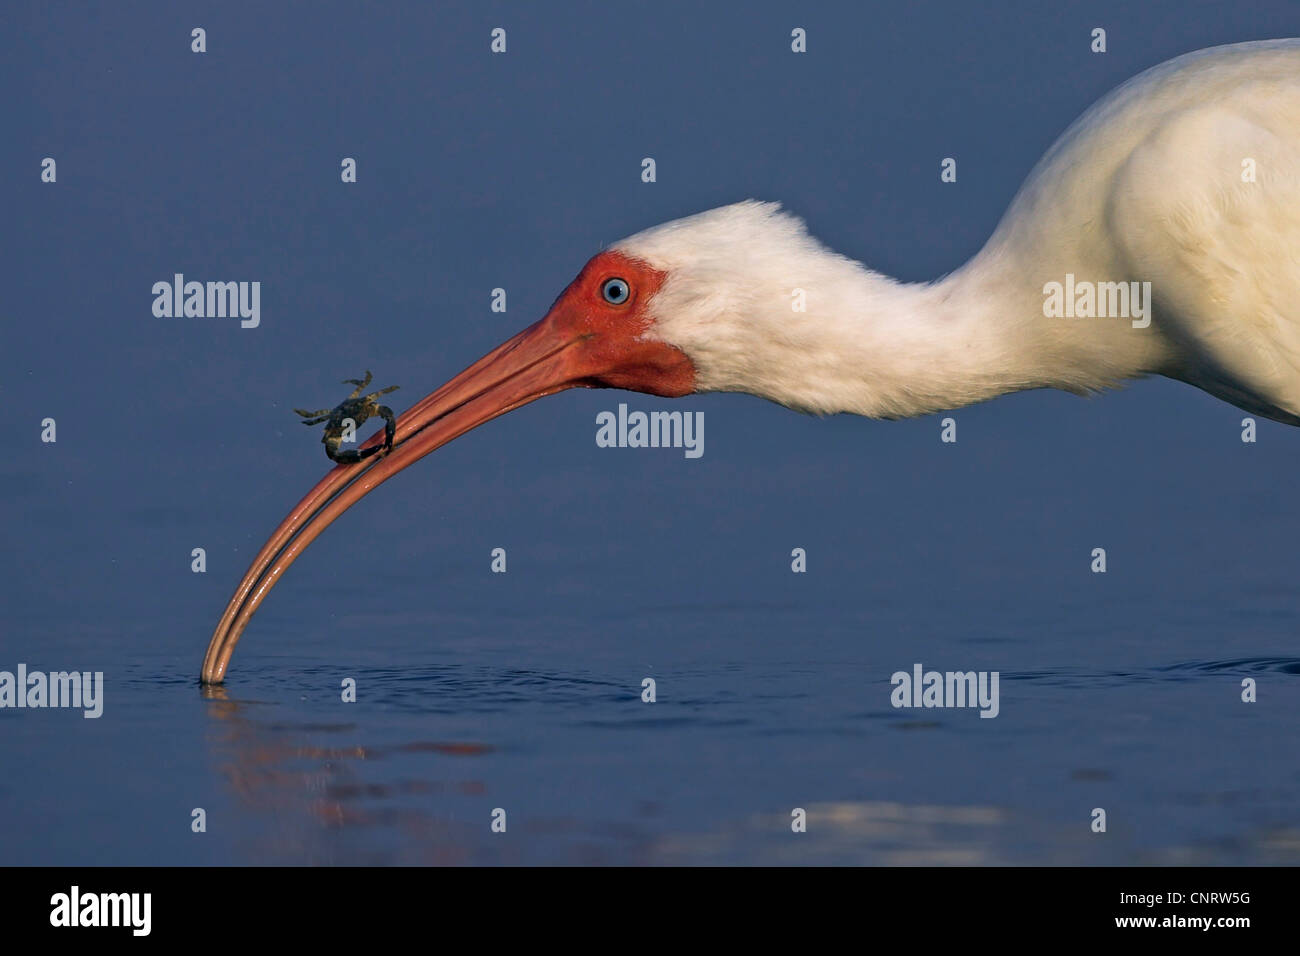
[535, 363]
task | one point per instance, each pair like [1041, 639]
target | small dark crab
[357, 410]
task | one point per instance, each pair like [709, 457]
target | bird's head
[682, 307]
[599, 333]
[662, 312]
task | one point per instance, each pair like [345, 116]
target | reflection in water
[861, 833]
[315, 791]
[308, 794]
[878, 833]
[312, 795]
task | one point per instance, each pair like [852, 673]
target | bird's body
[1185, 181]
[1147, 186]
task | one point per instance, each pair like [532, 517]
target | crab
[356, 410]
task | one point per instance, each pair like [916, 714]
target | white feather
[1145, 186]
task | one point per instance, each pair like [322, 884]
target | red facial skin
[582, 342]
[609, 348]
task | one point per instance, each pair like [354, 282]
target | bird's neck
[760, 306]
[869, 345]
[992, 327]
[969, 337]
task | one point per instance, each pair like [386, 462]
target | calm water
[521, 691]
[478, 691]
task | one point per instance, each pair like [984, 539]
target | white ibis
[1159, 235]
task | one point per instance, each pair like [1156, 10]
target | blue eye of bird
[615, 291]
